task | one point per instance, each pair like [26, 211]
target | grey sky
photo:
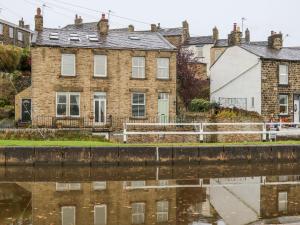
[262, 15]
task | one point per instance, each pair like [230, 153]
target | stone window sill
[135, 78]
[66, 76]
[162, 79]
[138, 118]
[283, 85]
[100, 78]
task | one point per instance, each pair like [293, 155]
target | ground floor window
[282, 201]
[162, 211]
[138, 104]
[68, 215]
[240, 103]
[67, 104]
[138, 213]
[283, 104]
[100, 215]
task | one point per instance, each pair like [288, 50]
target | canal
[212, 194]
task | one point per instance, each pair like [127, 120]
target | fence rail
[267, 130]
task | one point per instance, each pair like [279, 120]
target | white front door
[100, 108]
[163, 107]
[296, 110]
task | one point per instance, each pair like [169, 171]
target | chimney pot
[78, 20]
[103, 25]
[153, 28]
[21, 23]
[130, 28]
[234, 26]
[235, 37]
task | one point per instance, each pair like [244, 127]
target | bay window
[68, 65]
[283, 74]
[138, 105]
[138, 67]
[283, 104]
[163, 68]
[67, 104]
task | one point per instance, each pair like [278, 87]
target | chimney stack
[185, 32]
[78, 20]
[38, 20]
[247, 36]
[215, 34]
[103, 26]
[235, 37]
[130, 28]
[153, 28]
[275, 41]
[21, 23]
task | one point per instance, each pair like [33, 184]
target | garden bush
[9, 58]
[200, 105]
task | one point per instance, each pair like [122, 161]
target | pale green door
[163, 107]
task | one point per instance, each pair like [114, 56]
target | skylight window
[74, 35]
[93, 38]
[136, 38]
[53, 36]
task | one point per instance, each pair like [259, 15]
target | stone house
[260, 78]
[12, 34]
[89, 74]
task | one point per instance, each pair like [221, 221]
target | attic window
[135, 38]
[93, 38]
[74, 37]
[53, 36]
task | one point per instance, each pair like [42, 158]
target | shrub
[3, 102]
[9, 58]
[199, 105]
[25, 60]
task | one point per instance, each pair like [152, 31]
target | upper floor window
[68, 186]
[163, 68]
[283, 104]
[100, 65]
[20, 36]
[100, 214]
[11, 32]
[283, 74]
[138, 67]
[138, 105]
[199, 52]
[68, 215]
[138, 213]
[68, 65]
[67, 104]
[99, 185]
[1, 28]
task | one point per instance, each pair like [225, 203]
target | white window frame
[163, 183]
[68, 104]
[62, 65]
[68, 186]
[20, 36]
[162, 216]
[100, 206]
[160, 67]
[102, 185]
[137, 214]
[105, 64]
[138, 104]
[199, 50]
[139, 67]
[62, 210]
[11, 32]
[283, 204]
[1, 28]
[285, 105]
[283, 76]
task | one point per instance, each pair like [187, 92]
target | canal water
[222, 194]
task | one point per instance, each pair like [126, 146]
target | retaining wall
[146, 155]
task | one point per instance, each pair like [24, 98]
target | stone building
[89, 74]
[257, 77]
[12, 34]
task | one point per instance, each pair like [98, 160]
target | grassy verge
[29, 143]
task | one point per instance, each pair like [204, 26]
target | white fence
[269, 131]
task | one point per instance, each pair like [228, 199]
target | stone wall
[271, 88]
[174, 40]
[213, 53]
[118, 85]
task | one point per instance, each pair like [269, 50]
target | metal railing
[268, 131]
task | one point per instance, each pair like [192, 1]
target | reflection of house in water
[15, 205]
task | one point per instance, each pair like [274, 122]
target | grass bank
[45, 143]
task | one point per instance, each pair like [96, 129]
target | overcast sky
[262, 16]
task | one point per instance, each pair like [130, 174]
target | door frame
[296, 97]
[167, 100]
[105, 107]
[21, 109]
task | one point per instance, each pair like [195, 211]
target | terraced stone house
[12, 34]
[260, 78]
[89, 74]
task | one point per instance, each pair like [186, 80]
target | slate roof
[15, 26]
[171, 31]
[116, 39]
[290, 54]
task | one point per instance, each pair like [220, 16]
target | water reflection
[252, 200]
